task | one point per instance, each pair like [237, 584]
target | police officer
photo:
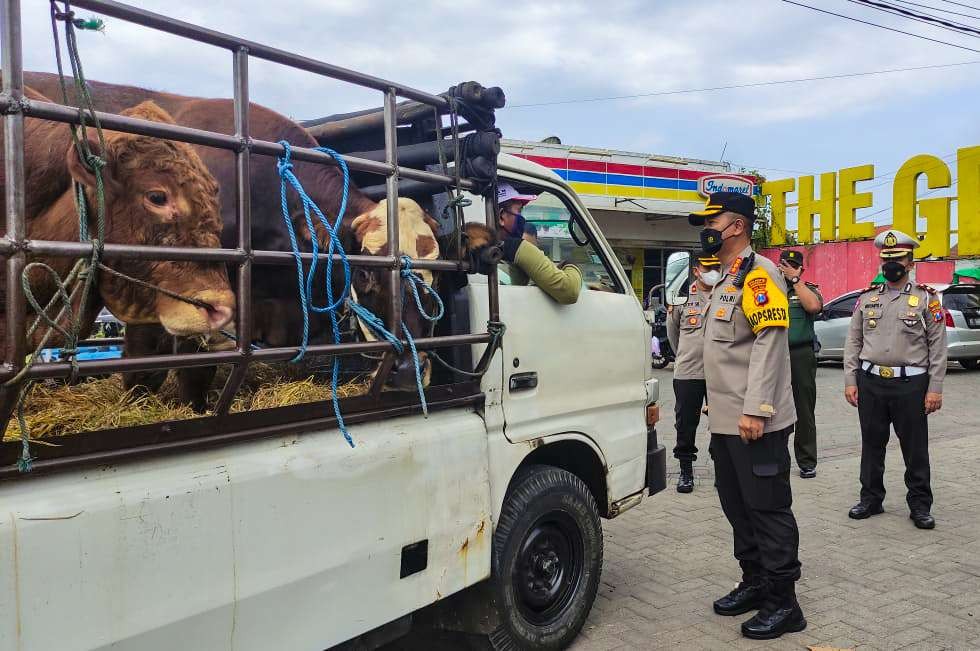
[684, 324]
[805, 303]
[894, 366]
[747, 373]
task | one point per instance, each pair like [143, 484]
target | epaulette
[931, 290]
[873, 287]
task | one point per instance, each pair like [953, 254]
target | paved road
[874, 584]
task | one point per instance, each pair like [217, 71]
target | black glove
[510, 246]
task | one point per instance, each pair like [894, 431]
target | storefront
[640, 201]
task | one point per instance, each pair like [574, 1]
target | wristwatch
[794, 280]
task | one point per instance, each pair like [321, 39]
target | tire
[659, 362]
[969, 364]
[547, 558]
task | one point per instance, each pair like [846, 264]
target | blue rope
[305, 286]
[305, 289]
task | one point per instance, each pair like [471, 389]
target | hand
[789, 271]
[851, 395]
[934, 402]
[750, 427]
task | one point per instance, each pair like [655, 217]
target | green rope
[67, 322]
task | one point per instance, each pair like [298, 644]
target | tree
[762, 233]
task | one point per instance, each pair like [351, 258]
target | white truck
[298, 541]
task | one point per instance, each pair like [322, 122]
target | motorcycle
[661, 352]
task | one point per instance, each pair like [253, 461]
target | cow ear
[79, 170]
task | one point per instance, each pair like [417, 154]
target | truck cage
[107, 446]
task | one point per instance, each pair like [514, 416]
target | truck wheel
[970, 364]
[547, 557]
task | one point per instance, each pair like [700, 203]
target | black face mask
[893, 271]
[517, 229]
[712, 239]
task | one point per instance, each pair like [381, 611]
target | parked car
[962, 308]
[106, 327]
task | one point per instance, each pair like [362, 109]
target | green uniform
[803, 362]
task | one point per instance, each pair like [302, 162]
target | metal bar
[244, 214]
[226, 437]
[257, 50]
[493, 289]
[58, 249]
[394, 245]
[15, 314]
[59, 113]
[192, 360]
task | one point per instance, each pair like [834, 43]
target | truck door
[576, 368]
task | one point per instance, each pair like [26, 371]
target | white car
[962, 306]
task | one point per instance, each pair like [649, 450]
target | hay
[53, 410]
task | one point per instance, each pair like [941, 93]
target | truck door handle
[523, 381]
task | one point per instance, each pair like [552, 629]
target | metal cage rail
[15, 246]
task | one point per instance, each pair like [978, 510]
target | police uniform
[684, 323]
[895, 353]
[803, 363]
[747, 371]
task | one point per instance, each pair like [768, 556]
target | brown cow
[156, 193]
[277, 318]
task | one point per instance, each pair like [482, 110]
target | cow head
[158, 193]
[417, 239]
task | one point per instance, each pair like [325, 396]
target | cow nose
[218, 316]
[402, 376]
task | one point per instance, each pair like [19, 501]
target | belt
[892, 371]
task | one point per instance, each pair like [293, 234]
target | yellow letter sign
[935, 210]
[851, 201]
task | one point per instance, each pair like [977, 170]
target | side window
[550, 229]
[841, 308]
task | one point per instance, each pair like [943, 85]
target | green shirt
[800, 321]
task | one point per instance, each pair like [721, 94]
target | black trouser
[688, 399]
[899, 402]
[753, 486]
[803, 362]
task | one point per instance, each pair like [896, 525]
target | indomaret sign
[838, 202]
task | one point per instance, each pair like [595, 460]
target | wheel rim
[549, 568]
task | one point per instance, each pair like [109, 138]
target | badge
[872, 313]
[875, 298]
[914, 301]
[890, 239]
[934, 306]
[872, 323]
[693, 310]
[692, 321]
[731, 289]
[759, 292]
[937, 316]
[694, 288]
[720, 314]
[911, 322]
[886, 372]
[735, 266]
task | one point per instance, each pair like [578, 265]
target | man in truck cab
[528, 263]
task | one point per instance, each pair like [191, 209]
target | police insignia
[914, 301]
[890, 239]
[872, 323]
[694, 288]
[759, 292]
[735, 266]
[692, 321]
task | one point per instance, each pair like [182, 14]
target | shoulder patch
[764, 303]
[931, 290]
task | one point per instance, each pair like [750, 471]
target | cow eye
[157, 198]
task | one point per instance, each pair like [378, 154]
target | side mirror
[676, 277]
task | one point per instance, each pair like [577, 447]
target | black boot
[685, 481]
[779, 614]
[747, 595]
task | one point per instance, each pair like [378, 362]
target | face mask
[713, 239]
[710, 278]
[517, 229]
[893, 271]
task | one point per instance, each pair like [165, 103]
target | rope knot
[285, 164]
